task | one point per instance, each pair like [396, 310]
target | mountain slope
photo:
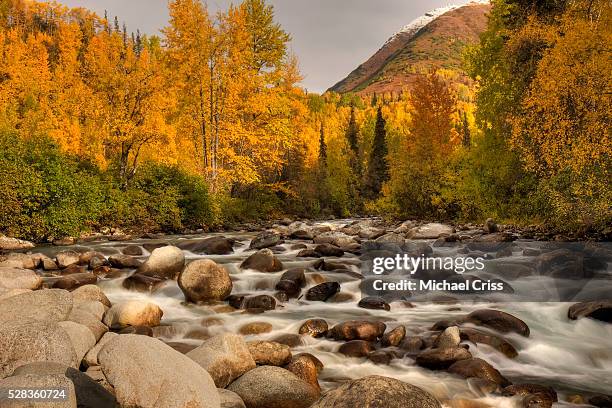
[434, 40]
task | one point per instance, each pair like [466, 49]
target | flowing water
[571, 356]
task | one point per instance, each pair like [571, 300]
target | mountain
[435, 40]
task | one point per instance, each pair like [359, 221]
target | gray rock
[431, 231]
[599, 310]
[66, 258]
[203, 280]
[133, 313]
[16, 278]
[336, 238]
[377, 391]
[273, 387]
[24, 342]
[53, 305]
[230, 399]
[266, 239]
[498, 320]
[450, 338]
[225, 357]
[164, 262]
[14, 244]
[208, 246]
[124, 262]
[145, 372]
[81, 337]
[49, 381]
[262, 261]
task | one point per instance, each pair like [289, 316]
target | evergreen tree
[378, 168]
[322, 148]
[116, 24]
[465, 131]
[352, 133]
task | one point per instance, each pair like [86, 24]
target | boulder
[441, 359]
[490, 226]
[431, 231]
[357, 330]
[14, 244]
[7, 293]
[301, 234]
[88, 319]
[599, 310]
[269, 353]
[314, 328]
[52, 305]
[292, 282]
[450, 338]
[376, 391]
[33, 381]
[498, 320]
[356, 348]
[145, 372]
[72, 270]
[375, 303]
[26, 341]
[329, 250]
[478, 368]
[21, 261]
[394, 337]
[165, 262]
[133, 313]
[260, 302]
[498, 343]
[86, 258]
[81, 337]
[66, 258]
[526, 389]
[203, 280]
[255, 328]
[132, 250]
[230, 399]
[336, 238]
[89, 394]
[262, 261]
[91, 357]
[371, 233]
[306, 367]
[208, 246]
[274, 387]
[71, 282]
[266, 239]
[92, 307]
[124, 262]
[225, 357]
[143, 283]
[16, 278]
[90, 293]
[323, 291]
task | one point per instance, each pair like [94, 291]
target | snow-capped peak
[416, 25]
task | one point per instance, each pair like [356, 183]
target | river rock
[307, 368]
[145, 372]
[336, 238]
[260, 302]
[90, 293]
[133, 313]
[329, 250]
[230, 399]
[142, 283]
[302, 235]
[27, 341]
[599, 310]
[66, 258]
[165, 262]
[89, 394]
[15, 278]
[87, 258]
[88, 319]
[440, 359]
[431, 231]
[357, 330]
[526, 389]
[498, 320]
[132, 250]
[266, 239]
[375, 303]
[262, 261]
[50, 381]
[269, 353]
[91, 357]
[204, 280]
[124, 262]
[14, 244]
[49, 264]
[53, 305]
[412, 344]
[314, 328]
[323, 291]
[21, 261]
[308, 253]
[274, 387]
[7, 293]
[81, 337]
[476, 367]
[73, 281]
[208, 246]
[498, 343]
[72, 270]
[255, 328]
[450, 338]
[376, 391]
[93, 307]
[394, 337]
[601, 401]
[356, 348]
[292, 282]
[490, 226]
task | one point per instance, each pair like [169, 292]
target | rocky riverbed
[276, 319]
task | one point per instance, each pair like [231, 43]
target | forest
[207, 125]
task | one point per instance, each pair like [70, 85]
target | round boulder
[269, 353]
[599, 310]
[262, 261]
[165, 262]
[53, 305]
[478, 368]
[133, 313]
[204, 280]
[376, 391]
[17, 278]
[498, 320]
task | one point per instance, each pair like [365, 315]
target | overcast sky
[330, 37]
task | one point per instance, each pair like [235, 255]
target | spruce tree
[322, 148]
[378, 168]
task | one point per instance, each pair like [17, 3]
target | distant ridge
[434, 40]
